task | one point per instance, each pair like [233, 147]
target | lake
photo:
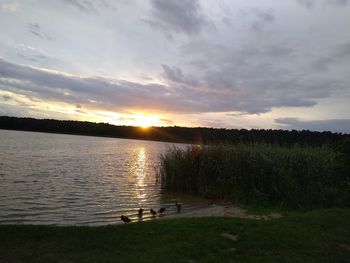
[80, 180]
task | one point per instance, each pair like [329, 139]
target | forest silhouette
[197, 135]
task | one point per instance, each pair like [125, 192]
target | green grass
[315, 236]
[292, 176]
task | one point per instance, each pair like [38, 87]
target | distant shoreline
[174, 134]
[93, 136]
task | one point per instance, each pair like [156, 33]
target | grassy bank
[291, 176]
[317, 236]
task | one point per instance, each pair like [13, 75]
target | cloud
[258, 59]
[260, 77]
[94, 92]
[342, 50]
[36, 30]
[257, 17]
[310, 4]
[175, 74]
[84, 5]
[12, 7]
[167, 121]
[334, 125]
[174, 16]
[179, 96]
[278, 51]
[90, 6]
[262, 18]
[263, 73]
[6, 97]
[258, 92]
[30, 53]
[339, 54]
[226, 21]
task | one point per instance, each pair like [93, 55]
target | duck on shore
[154, 213]
[178, 207]
[161, 210]
[139, 213]
[125, 219]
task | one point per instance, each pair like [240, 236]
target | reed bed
[294, 176]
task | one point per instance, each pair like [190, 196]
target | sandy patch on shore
[222, 210]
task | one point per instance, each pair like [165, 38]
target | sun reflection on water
[140, 172]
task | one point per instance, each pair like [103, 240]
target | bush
[292, 176]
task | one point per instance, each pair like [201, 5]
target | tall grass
[266, 174]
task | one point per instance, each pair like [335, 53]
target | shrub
[259, 173]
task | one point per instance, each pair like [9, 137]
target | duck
[153, 212]
[125, 219]
[178, 207]
[161, 210]
[139, 213]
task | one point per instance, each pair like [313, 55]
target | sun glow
[145, 121]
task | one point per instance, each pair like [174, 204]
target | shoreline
[222, 210]
[225, 210]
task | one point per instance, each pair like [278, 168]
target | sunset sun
[145, 121]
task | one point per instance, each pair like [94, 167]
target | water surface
[68, 179]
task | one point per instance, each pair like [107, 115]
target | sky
[253, 64]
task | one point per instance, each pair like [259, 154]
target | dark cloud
[95, 93]
[174, 16]
[250, 89]
[235, 82]
[259, 76]
[176, 75]
[36, 30]
[334, 125]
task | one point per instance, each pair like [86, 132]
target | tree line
[198, 135]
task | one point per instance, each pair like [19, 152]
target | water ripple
[79, 180]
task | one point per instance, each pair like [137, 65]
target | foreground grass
[315, 236]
